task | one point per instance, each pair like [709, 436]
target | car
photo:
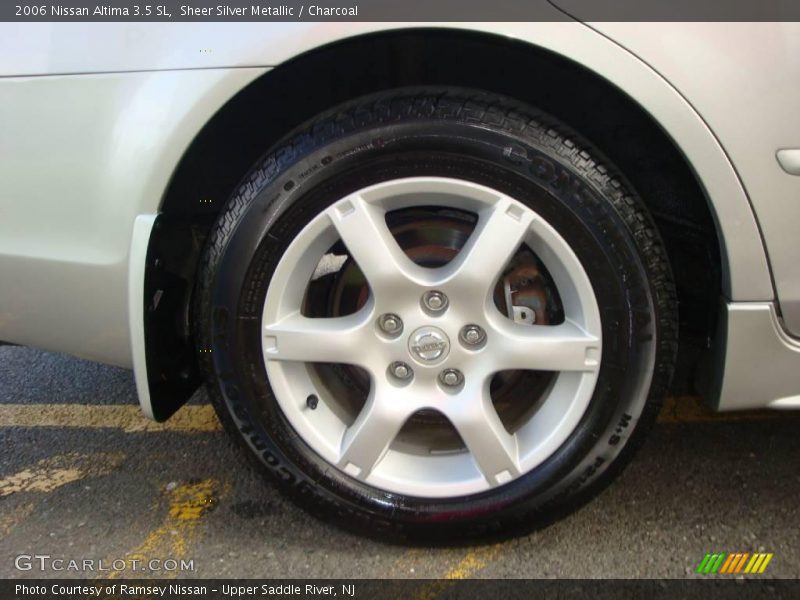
[436, 279]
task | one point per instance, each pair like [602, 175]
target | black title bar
[399, 10]
[369, 589]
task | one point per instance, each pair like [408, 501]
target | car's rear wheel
[434, 313]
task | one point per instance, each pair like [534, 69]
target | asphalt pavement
[84, 476]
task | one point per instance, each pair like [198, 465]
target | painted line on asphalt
[473, 561]
[51, 473]
[202, 419]
[128, 418]
[188, 503]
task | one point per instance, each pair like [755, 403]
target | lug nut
[434, 301]
[472, 335]
[451, 377]
[400, 370]
[390, 323]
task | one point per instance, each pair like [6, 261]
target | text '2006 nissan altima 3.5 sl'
[436, 280]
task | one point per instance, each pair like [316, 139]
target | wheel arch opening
[294, 92]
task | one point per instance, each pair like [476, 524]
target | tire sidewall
[306, 178]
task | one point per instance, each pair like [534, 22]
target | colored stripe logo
[734, 562]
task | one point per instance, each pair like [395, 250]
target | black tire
[480, 137]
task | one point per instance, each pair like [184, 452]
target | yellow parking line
[52, 473]
[473, 561]
[128, 418]
[188, 503]
[202, 419]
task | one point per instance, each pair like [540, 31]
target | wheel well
[285, 97]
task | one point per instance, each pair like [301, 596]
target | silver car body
[94, 119]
